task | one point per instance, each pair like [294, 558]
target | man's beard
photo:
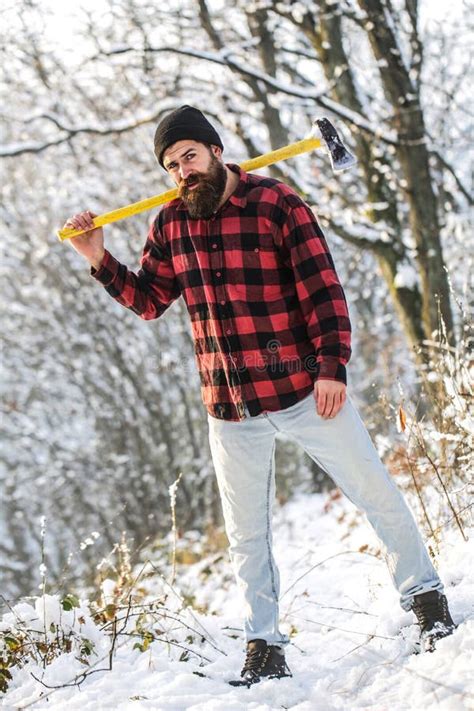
[203, 200]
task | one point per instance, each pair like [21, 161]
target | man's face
[199, 174]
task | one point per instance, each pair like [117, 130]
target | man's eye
[191, 156]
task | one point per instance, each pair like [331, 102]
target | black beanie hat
[181, 124]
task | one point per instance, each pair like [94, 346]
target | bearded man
[272, 340]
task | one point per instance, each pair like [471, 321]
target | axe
[340, 157]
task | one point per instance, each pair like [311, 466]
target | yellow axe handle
[293, 149]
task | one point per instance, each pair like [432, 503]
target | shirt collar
[239, 196]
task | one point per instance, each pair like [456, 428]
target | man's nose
[184, 171]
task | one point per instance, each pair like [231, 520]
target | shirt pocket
[253, 265]
[250, 250]
[259, 251]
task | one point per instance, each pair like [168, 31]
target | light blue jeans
[243, 454]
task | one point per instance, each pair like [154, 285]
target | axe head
[341, 158]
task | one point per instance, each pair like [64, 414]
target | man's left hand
[330, 396]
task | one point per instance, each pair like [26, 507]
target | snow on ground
[352, 645]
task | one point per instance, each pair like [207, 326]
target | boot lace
[429, 611]
[255, 660]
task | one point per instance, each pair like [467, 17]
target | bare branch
[16, 149]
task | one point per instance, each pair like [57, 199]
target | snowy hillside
[352, 645]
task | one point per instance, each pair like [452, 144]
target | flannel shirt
[268, 313]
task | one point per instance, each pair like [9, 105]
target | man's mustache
[196, 179]
[192, 179]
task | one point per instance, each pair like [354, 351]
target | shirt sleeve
[150, 291]
[319, 291]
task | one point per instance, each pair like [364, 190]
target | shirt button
[228, 331]
[222, 303]
[256, 249]
[214, 246]
[218, 273]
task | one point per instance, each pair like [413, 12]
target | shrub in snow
[42, 631]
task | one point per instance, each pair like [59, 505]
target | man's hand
[91, 243]
[330, 396]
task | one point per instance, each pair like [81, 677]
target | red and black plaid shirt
[268, 313]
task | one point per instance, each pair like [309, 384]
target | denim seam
[275, 427]
[272, 573]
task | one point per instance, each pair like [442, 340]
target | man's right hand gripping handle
[90, 244]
